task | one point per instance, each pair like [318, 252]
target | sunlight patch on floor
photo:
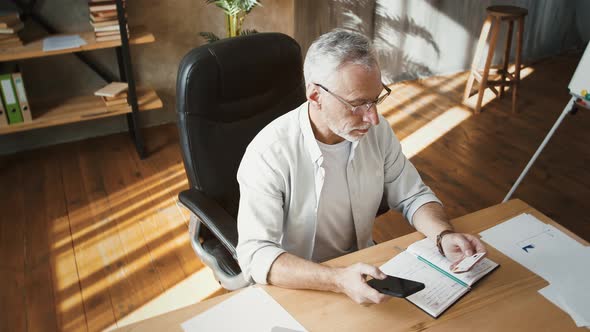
[433, 130]
[200, 285]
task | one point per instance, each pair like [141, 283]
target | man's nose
[371, 115]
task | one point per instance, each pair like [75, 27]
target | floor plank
[86, 229]
[66, 280]
[40, 302]
[131, 207]
[118, 264]
[12, 240]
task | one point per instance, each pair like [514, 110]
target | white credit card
[467, 263]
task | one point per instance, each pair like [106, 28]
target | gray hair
[334, 49]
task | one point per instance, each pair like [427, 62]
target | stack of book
[114, 94]
[14, 104]
[104, 19]
[10, 25]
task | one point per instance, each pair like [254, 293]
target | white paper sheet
[62, 42]
[541, 248]
[559, 299]
[517, 228]
[252, 309]
[554, 256]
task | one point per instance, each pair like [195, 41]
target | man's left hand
[457, 246]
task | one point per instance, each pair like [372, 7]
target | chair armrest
[221, 224]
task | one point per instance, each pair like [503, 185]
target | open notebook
[422, 262]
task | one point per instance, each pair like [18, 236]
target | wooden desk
[507, 299]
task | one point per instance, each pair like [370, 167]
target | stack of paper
[57, 43]
[113, 94]
[252, 309]
[553, 255]
[104, 19]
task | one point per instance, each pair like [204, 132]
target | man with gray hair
[311, 182]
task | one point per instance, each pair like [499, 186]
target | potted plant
[235, 13]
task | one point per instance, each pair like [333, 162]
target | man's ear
[313, 94]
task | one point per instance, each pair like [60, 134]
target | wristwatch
[439, 238]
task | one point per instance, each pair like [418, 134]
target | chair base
[224, 270]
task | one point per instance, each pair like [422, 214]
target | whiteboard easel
[580, 90]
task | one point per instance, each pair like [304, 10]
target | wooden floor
[90, 234]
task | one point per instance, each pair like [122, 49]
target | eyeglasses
[359, 109]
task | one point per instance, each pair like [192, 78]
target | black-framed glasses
[359, 109]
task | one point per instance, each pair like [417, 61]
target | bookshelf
[34, 49]
[89, 107]
[80, 108]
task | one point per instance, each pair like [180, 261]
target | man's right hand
[352, 282]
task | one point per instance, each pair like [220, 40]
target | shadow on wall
[389, 38]
[426, 37]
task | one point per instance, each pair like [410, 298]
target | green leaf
[248, 32]
[209, 36]
[234, 7]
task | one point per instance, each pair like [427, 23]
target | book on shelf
[12, 29]
[104, 23]
[112, 89]
[10, 100]
[3, 116]
[10, 25]
[103, 8]
[107, 38]
[101, 19]
[11, 44]
[113, 94]
[104, 20]
[107, 28]
[15, 104]
[108, 33]
[117, 96]
[422, 262]
[9, 20]
[23, 101]
[114, 101]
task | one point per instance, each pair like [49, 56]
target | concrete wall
[175, 24]
[421, 38]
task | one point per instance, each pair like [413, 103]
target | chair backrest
[227, 91]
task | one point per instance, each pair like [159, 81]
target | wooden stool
[497, 14]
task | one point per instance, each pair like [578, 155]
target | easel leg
[565, 112]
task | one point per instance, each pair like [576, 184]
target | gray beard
[343, 134]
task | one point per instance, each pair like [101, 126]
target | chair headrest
[235, 77]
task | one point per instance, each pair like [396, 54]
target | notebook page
[427, 249]
[440, 291]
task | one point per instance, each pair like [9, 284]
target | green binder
[10, 101]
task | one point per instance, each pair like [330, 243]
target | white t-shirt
[335, 234]
[281, 181]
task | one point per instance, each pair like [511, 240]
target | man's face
[357, 85]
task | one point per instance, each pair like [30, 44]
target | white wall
[420, 38]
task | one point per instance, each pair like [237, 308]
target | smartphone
[467, 263]
[395, 286]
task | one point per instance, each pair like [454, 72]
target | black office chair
[227, 92]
